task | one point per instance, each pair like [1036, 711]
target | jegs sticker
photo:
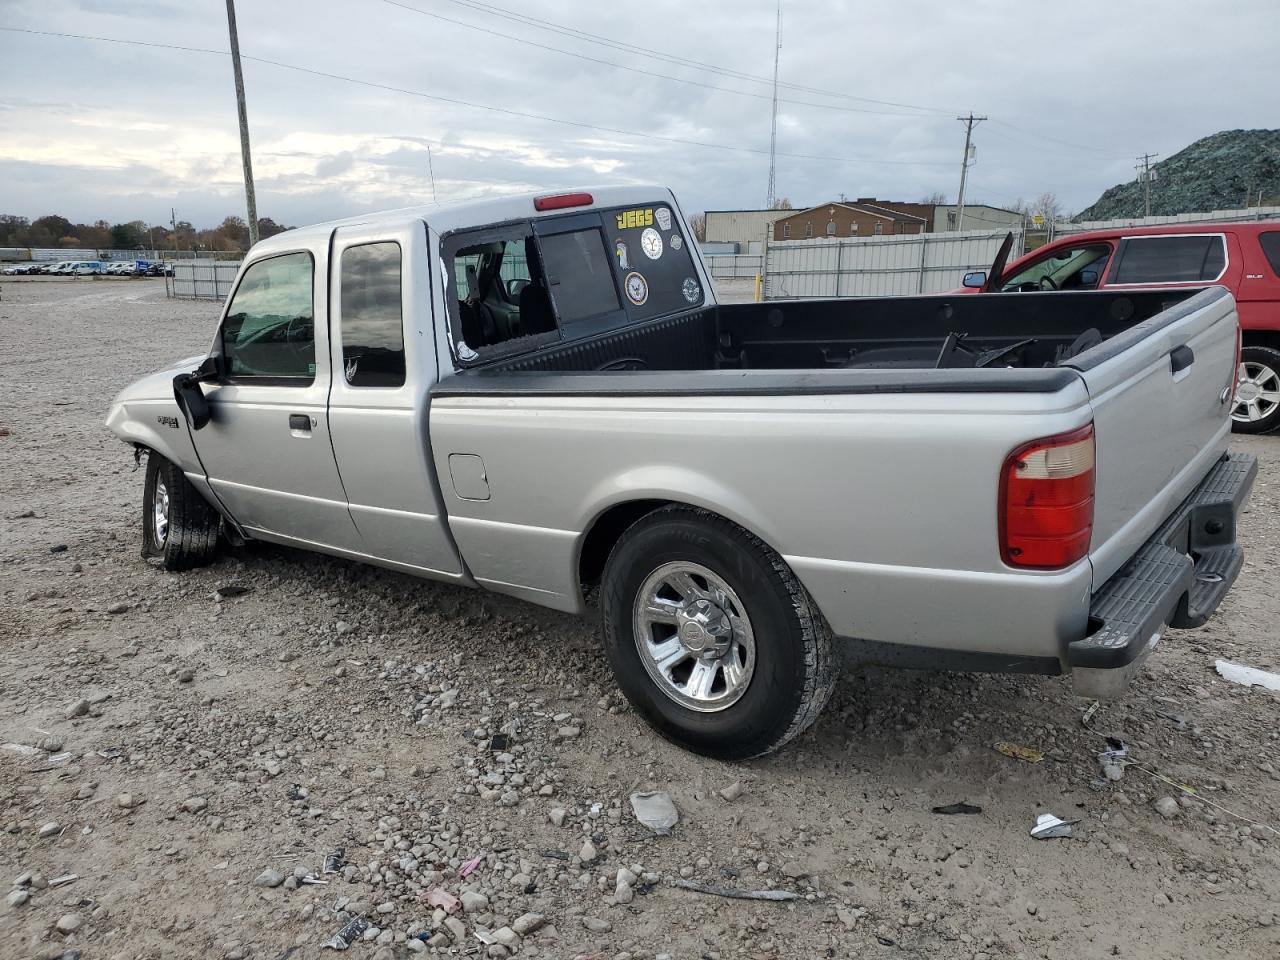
[620, 249]
[691, 290]
[629, 219]
[651, 243]
[637, 288]
[676, 242]
[663, 216]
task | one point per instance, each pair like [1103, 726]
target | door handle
[1181, 357]
[300, 421]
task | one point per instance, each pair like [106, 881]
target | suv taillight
[1046, 501]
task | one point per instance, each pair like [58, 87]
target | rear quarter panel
[884, 505]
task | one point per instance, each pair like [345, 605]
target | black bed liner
[845, 346]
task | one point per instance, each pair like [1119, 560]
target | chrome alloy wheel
[1257, 392]
[694, 637]
[160, 513]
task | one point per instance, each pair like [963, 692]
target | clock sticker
[663, 216]
[651, 243]
[637, 288]
[691, 290]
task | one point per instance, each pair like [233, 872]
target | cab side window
[1069, 268]
[269, 329]
[372, 320]
[1170, 259]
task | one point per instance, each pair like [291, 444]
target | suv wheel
[711, 637]
[1257, 400]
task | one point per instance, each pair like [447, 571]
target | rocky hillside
[1214, 173]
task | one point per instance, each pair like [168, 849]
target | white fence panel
[202, 279]
[898, 266]
[733, 266]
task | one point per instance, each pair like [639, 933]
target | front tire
[711, 637]
[179, 528]
[1257, 401]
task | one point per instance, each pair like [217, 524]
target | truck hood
[158, 385]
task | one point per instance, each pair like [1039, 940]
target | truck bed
[898, 335]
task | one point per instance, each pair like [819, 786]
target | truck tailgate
[1160, 393]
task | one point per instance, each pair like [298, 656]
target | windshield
[1070, 268]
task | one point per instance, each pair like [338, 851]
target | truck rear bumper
[1177, 578]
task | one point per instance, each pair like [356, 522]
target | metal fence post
[924, 249]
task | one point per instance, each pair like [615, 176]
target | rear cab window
[1198, 258]
[522, 285]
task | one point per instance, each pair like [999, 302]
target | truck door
[266, 449]
[384, 362]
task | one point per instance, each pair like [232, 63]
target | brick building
[864, 217]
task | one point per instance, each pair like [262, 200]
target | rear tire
[1256, 406]
[778, 667]
[179, 528]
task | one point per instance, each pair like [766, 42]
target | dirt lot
[197, 754]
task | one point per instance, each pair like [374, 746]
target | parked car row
[84, 268]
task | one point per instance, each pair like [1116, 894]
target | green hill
[1214, 173]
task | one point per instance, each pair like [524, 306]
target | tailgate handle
[1181, 357]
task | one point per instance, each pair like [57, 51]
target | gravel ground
[191, 756]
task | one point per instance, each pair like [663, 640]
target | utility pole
[1146, 175]
[770, 194]
[969, 123]
[250, 201]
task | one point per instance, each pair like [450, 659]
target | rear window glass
[1171, 260]
[578, 275]
[1271, 247]
[652, 257]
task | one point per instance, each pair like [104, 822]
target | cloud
[122, 132]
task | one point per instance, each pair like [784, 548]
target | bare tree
[1048, 206]
[782, 203]
[937, 198]
[698, 222]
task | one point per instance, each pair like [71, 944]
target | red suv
[1243, 257]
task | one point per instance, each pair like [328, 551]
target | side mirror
[975, 280]
[1088, 278]
[188, 395]
[514, 286]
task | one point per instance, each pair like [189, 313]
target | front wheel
[711, 637]
[1257, 399]
[179, 528]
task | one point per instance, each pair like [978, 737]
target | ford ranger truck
[540, 395]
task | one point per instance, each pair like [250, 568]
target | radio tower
[773, 126]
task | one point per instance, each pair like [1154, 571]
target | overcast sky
[91, 129]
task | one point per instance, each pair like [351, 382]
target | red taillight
[1046, 501]
[558, 201]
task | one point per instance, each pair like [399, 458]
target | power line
[651, 54]
[489, 31]
[453, 101]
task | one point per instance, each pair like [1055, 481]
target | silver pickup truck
[536, 395]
